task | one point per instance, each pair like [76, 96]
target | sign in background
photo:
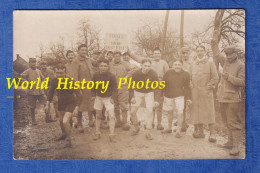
[116, 42]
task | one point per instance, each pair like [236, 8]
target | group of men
[189, 84]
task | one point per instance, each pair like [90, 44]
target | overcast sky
[32, 28]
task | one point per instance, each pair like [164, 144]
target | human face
[83, 52]
[177, 66]
[185, 55]
[146, 67]
[103, 67]
[43, 66]
[110, 57]
[60, 73]
[117, 58]
[157, 55]
[32, 64]
[231, 56]
[70, 57]
[200, 52]
[126, 58]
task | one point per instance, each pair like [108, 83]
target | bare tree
[229, 27]
[150, 36]
[89, 35]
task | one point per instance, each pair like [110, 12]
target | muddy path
[38, 142]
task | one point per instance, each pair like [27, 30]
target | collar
[202, 60]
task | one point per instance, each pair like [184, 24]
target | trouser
[65, 125]
[231, 115]
[174, 107]
[149, 104]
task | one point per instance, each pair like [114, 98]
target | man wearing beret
[229, 96]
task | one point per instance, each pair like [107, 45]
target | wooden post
[165, 30]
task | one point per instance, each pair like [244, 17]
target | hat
[32, 59]
[96, 52]
[230, 49]
[185, 49]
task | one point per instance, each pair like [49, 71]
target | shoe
[91, 124]
[160, 127]
[135, 132]
[227, 145]
[148, 136]
[184, 128]
[178, 135]
[50, 120]
[126, 127]
[234, 151]
[166, 131]
[118, 124]
[62, 137]
[212, 138]
[96, 137]
[81, 130]
[112, 138]
[198, 134]
[68, 144]
[236, 139]
[34, 123]
[195, 134]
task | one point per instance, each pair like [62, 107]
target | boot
[118, 119]
[236, 139]
[229, 143]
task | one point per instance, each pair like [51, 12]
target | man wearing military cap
[31, 74]
[229, 95]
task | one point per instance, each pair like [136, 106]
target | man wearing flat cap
[229, 96]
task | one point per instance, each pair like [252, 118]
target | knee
[99, 115]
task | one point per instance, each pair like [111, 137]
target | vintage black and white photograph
[128, 84]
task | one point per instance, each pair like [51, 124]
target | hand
[93, 99]
[156, 104]
[191, 85]
[133, 101]
[225, 75]
[210, 86]
[47, 107]
[188, 102]
[76, 111]
[112, 100]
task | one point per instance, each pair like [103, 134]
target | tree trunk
[181, 28]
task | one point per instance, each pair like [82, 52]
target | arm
[238, 80]
[75, 71]
[187, 90]
[166, 67]
[25, 74]
[93, 90]
[53, 86]
[157, 92]
[213, 75]
[78, 94]
[135, 57]
[114, 86]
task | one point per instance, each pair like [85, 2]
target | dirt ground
[38, 142]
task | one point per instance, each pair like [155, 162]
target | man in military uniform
[83, 69]
[229, 96]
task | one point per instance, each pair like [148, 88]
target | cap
[230, 49]
[32, 59]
